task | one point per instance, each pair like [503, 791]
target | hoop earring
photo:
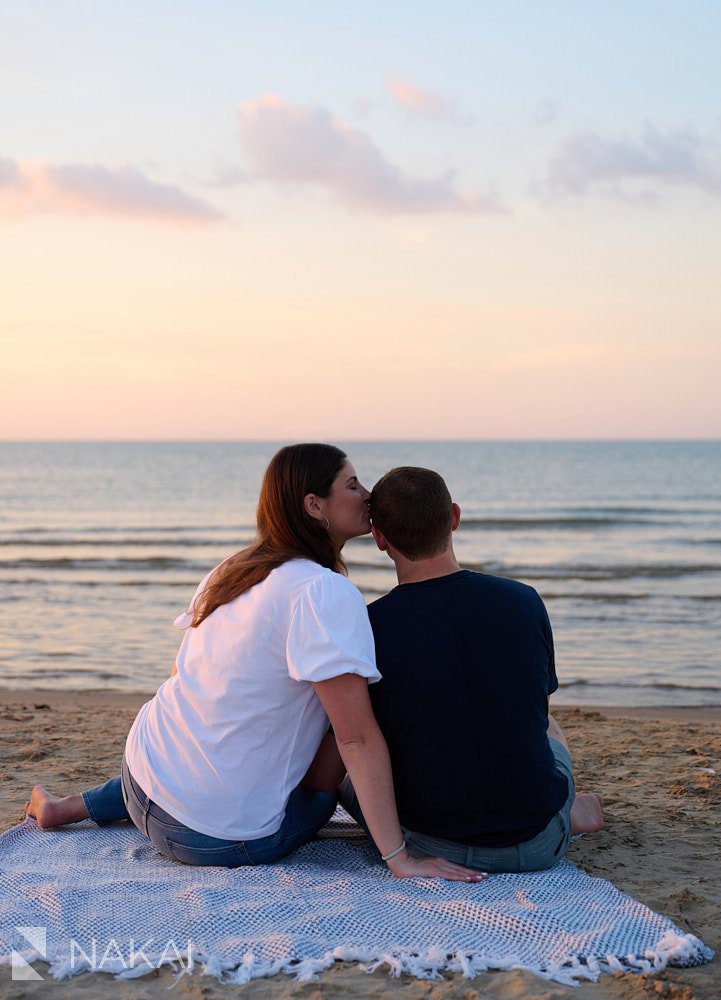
[326, 524]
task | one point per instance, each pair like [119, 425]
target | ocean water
[103, 544]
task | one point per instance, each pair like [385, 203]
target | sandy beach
[659, 771]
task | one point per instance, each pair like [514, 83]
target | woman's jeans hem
[105, 803]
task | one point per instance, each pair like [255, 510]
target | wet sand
[661, 844]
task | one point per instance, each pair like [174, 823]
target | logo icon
[36, 937]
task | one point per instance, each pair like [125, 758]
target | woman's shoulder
[302, 569]
[318, 584]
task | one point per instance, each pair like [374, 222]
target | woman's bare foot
[587, 813]
[51, 810]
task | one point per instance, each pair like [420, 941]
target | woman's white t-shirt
[226, 740]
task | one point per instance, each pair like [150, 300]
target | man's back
[467, 665]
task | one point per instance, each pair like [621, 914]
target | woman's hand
[404, 866]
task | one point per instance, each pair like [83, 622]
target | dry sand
[662, 843]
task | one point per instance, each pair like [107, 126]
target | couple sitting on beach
[450, 762]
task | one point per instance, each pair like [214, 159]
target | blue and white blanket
[83, 898]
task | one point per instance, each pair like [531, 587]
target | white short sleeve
[330, 633]
[183, 620]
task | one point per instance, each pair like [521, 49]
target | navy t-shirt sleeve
[548, 641]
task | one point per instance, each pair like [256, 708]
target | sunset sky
[383, 220]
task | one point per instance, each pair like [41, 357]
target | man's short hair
[413, 509]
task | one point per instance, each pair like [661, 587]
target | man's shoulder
[504, 596]
[505, 585]
[485, 585]
[381, 604]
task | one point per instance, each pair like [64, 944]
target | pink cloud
[420, 102]
[295, 145]
[77, 189]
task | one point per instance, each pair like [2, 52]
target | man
[482, 773]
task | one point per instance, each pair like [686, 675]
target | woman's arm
[365, 755]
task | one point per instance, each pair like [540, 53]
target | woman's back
[227, 738]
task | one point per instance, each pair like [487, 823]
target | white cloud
[631, 168]
[78, 189]
[294, 145]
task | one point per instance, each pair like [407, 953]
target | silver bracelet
[387, 857]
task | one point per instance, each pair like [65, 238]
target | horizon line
[367, 440]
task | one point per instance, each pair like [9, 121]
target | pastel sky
[289, 220]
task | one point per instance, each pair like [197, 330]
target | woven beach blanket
[88, 899]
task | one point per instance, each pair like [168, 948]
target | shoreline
[134, 699]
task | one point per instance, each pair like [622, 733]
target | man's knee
[347, 797]
[349, 800]
[554, 732]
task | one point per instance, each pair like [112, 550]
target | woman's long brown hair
[285, 530]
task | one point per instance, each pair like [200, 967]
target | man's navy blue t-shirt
[467, 664]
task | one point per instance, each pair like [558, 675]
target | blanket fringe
[675, 949]
[671, 949]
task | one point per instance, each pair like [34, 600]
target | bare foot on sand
[50, 810]
[587, 813]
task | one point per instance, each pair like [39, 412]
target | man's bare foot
[51, 810]
[587, 813]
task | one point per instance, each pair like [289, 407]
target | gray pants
[542, 851]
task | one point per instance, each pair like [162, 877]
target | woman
[231, 762]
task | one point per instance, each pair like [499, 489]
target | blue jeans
[542, 851]
[122, 798]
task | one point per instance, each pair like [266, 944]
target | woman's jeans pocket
[232, 856]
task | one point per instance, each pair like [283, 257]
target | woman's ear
[311, 507]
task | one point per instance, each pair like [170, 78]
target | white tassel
[672, 948]
[65, 968]
[142, 969]
[212, 967]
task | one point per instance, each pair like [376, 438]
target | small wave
[623, 509]
[588, 572]
[530, 523]
[38, 581]
[132, 529]
[385, 567]
[98, 542]
[151, 562]
[613, 598]
[624, 684]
